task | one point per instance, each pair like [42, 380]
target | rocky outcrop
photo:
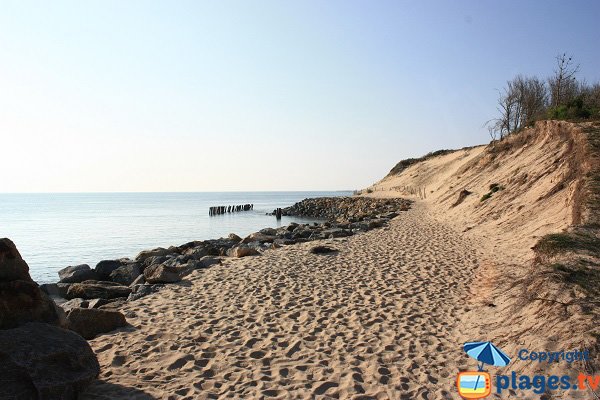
[77, 273]
[12, 266]
[97, 290]
[38, 358]
[90, 322]
[21, 299]
[41, 361]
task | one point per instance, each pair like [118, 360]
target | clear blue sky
[260, 95]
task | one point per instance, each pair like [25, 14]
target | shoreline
[80, 285]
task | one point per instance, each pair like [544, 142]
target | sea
[53, 231]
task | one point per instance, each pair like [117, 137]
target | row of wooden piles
[218, 210]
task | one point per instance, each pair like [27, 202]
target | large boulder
[77, 273]
[90, 322]
[41, 361]
[97, 290]
[23, 301]
[158, 252]
[12, 266]
[126, 274]
[161, 273]
[105, 267]
[242, 251]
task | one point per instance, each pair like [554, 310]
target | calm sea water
[53, 231]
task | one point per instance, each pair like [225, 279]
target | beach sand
[377, 320]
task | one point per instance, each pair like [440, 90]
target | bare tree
[519, 104]
[563, 85]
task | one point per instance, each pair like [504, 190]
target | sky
[127, 96]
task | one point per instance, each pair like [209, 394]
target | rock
[161, 274]
[335, 233]
[97, 289]
[151, 261]
[12, 266]
[199, 251]
[234, 237]
[322, 250]
[63, 288]
[23, 301]
[158, 252]
[74, 303]
[105, 267]
[126, 274]
[284, 242]
[208, 261]
[77, 273]
[220, 246]
[268, 231]
[242, 251]
[51, 289]
[140, 280]
[41, 361]
[115, 304]
[140, 291]
[259, 237]
[90, 322]
[97, 303]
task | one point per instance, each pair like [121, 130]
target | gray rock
[41, 361]
[105, 267]
[94, 290]
[90, 322]
[284, 242]
[268, 231]
[77, 273]
[335, 233]
[126, 274]
[234, 237]
[161, 274]
[12, 266]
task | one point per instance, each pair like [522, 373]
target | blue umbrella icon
[486, 353]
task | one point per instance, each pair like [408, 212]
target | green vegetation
[525, 100]
[494, 187]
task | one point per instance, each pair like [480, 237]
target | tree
[563, 85]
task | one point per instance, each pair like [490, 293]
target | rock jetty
[347, 209]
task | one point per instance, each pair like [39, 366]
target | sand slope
[375, 321]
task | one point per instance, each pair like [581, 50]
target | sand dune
[374, 321]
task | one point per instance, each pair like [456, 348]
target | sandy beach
[376, 320]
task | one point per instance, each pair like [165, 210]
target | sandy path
[374, 321]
